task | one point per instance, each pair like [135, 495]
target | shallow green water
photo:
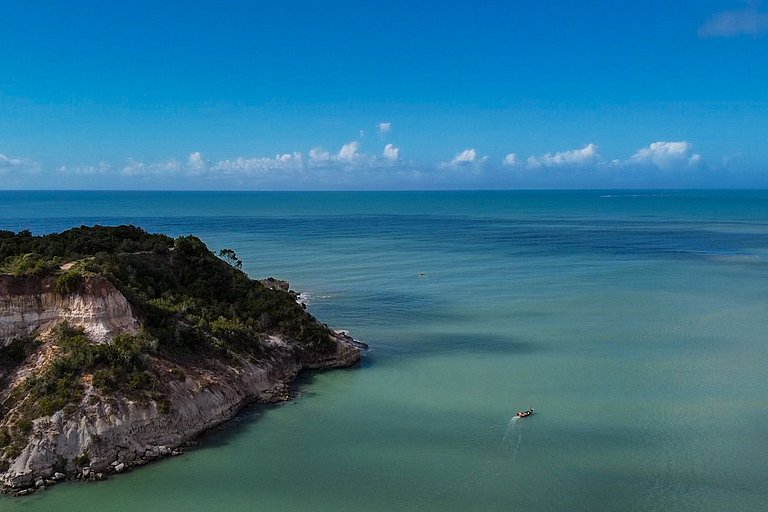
[634, 324]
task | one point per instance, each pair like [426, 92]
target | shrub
[26, 264]
[5, 438]
[163, 406]
[24, 425]
[14, 353]
[68, 282]
[14, 450]
[115, 366]
[82, 460]
[105, 380]
[142, 380]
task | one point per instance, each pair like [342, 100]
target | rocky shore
[106, 433]
[106, 436]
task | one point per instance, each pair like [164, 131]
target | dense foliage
[191, 300]
[119, 365]
[79, 243]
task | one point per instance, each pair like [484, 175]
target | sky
[342, 95]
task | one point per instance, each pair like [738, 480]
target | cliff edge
[121, 347]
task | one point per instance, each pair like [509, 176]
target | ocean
[634, 322]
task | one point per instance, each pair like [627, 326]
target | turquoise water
[635, 323]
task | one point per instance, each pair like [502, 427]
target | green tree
[230, 257]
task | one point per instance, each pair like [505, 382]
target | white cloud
[391, 152]
[319, 156]
[348, 152]
[102, 168]
[465, 159]
[510, 160]
[138, 168]
[195, 162]
[17, 164]
[384, 128]
[281, 162]
[348, 155]
[747, 21]
[8, 163]
[662, 160]
[573, 158]
[666, 155]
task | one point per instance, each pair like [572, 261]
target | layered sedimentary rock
[105, 434]
[30, 303]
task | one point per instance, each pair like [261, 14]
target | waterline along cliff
[118, 347]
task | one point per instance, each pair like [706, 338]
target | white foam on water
[509, 440]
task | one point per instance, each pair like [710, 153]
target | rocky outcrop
[276, 284]
[30, 303]
[102, 434]
[106, 436]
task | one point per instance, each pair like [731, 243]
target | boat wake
[495, 466]
[512, 438]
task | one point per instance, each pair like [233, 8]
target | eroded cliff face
[108, 434]
[29, 303]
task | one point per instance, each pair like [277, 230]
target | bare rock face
[29, 303]
[275, 284]
[102, 433]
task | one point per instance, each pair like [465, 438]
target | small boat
[524, 414]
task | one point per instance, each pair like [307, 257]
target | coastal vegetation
[190, 300]
[194, 308]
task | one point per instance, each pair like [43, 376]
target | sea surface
[635, 323]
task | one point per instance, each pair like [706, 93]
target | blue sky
[392, 95]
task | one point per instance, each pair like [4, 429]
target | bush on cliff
[117, 366]
[68, 282]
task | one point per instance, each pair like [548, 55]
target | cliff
[110, 370]
[29, 304]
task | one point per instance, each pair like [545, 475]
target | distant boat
[524, 414]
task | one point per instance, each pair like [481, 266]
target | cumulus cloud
[348, 152]
[281, 162]
[510, 160]
[350, 156]
[139, 168]
[195, 162]
[391, 152]
[8, 164]
[746, 21]
[662, 160]
[573, 158]
[318, 156]
[384, 128]
[465, 159]
[666, 155]
[101, 168]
